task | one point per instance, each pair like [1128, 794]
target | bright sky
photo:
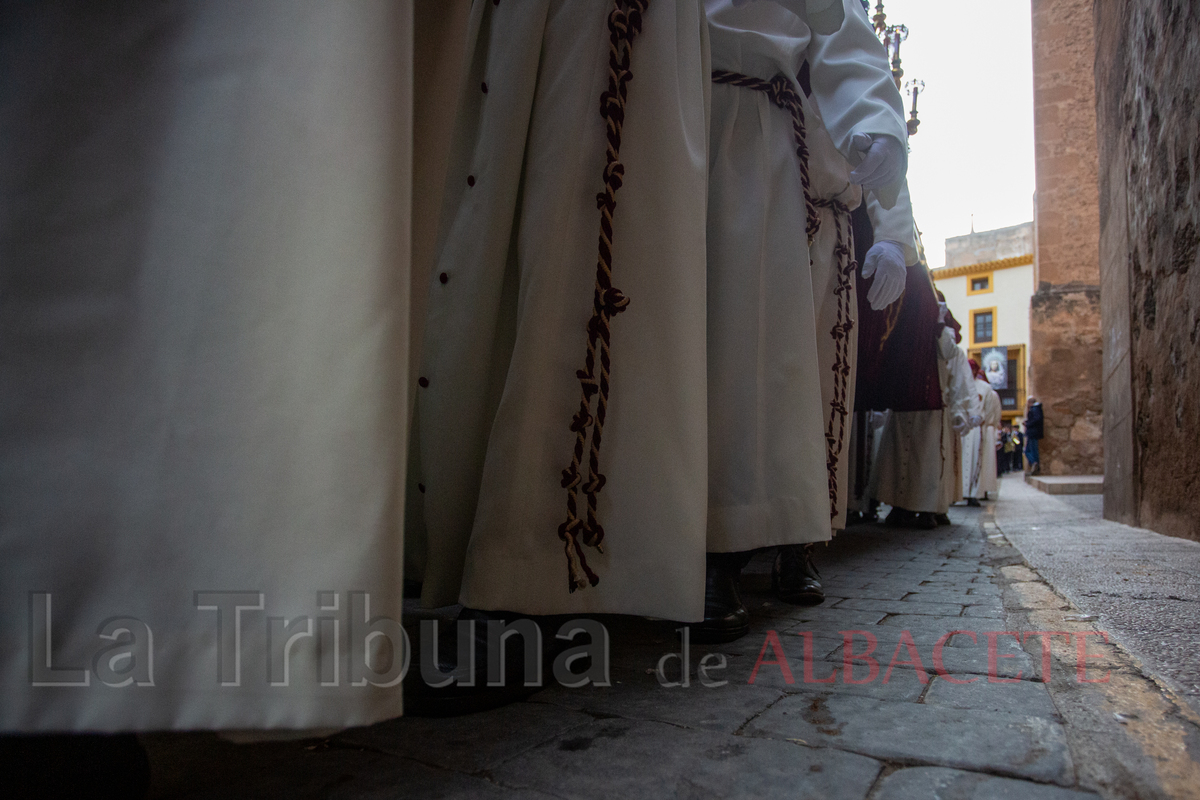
[974, 151]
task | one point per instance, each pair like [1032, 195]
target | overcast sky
[974, 151]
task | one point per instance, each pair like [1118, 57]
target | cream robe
[204, 319]
[918, 454]
[506, 330]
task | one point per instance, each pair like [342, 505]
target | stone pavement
[870, 695]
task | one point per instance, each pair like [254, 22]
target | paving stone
[881, 593]
[722, 708]
[867, 680]
[411, 781]
[1011, 662]
[933, 622]
[951, 580]
[1009, 744]
[1018, 572]
[922, 635]
[903, 607]
[933, 594]
[988, 610]
[924, 783]
[1030, 698]
[469, 743]
[608, 759]
[1034, 596]
[965, 567]
[833, 619]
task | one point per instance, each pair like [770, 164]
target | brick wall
[1065, 341]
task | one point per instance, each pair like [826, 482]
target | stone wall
[993, 245]
[1149, 133]
[1065, 344]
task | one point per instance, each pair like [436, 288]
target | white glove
[882, 163]
[885, 260]
[976, 421]
[958, 424]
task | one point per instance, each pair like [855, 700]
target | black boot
[795, 577]
[725, 617]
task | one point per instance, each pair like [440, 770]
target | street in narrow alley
[977, 660]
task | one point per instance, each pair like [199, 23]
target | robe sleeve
[991, 408]
[895, 224]
[853, 87]
[961, 399]
[821, 16]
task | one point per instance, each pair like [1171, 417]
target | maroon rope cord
[624, 24]
[835, 427]
[780, 92]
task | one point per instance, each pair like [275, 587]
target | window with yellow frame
[979, 284]
[983, 327]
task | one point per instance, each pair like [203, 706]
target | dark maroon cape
[897, 347]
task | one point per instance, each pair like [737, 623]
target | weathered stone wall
[993, 245]
[1065, 345]
[1149, 132]
[1065, 354]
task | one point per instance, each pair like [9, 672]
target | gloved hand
[882, 163]
[976, 421]
[885, 260]
[959, 424]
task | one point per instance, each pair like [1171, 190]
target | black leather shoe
[470, 692]
[941, 519]
[725, 617]
[973, 502]
[795, 577]
[923, 521]
[898, 517]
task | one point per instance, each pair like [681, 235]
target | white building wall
[1011, 290]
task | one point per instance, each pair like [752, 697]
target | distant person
[1003, 449]
[1033, 432]
[1017, 441]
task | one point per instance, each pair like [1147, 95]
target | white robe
[979, 445]
[769, 433]
[506, 331]
[958, 395]
[854, 93]
[204, 330]
[767, 477]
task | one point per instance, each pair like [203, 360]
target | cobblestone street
[919, 714]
